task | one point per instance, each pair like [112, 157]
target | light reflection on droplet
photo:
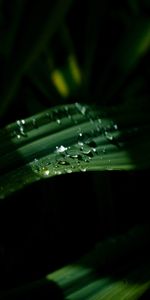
[68, 171]
[60, 149]
[58, 121]
[108, 136]
[83, 169]
[115, 126]
[46, 172]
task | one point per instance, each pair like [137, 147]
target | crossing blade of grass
[85, 279]
[71, 138]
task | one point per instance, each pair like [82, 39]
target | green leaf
[72, 138]
[101, 274]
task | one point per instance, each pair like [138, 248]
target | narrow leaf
[72, 138]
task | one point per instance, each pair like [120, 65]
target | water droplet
[35, 160]
[60, 149]
[80, 143]
[18, 136]
[20, 124]
[83, 169]
[58, 121]
[68, 171]
[57, 172]
[45, 172]
[34, 123]
[109, 136]
[63, 162]
[86, 149]
[81, 108]
[73, 151]
[115, 126]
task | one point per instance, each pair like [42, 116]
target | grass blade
[71, 138]
[86, 278]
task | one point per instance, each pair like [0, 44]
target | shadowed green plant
[68, 139]
[75, 77]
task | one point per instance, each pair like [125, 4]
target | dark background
[53, 222]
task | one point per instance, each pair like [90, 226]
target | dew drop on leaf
[45, 172]
[81, 108]
[86, 149]
[73, 152]
[58, 121]
[34, 123]
[20, 125]
[115, 126]
[80, 143]
[57, 172]
[68, 171]
[60, 149]
[108, 136]
[83, 169]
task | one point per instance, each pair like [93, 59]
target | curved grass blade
[71, 138]
[85, 279]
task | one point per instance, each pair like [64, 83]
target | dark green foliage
[54, 54]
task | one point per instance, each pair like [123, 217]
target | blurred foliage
[66, 50]
[57, 52]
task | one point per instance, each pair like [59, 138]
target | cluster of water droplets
[67, 159]
[19, 129]
[77, 157]
[73, 157]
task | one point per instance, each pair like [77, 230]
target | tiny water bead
[80, 134]
[69, 171]
[73, 151]
[60, 149]
[82, 169]
[109, 136]
[42, 169]
[115, 126]
[61, 161]
[58, 121]
[80, 144]
[81, 108]
[34, 123]
[57, 172]
[21, 128]
[86, 149]
[46, 172]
